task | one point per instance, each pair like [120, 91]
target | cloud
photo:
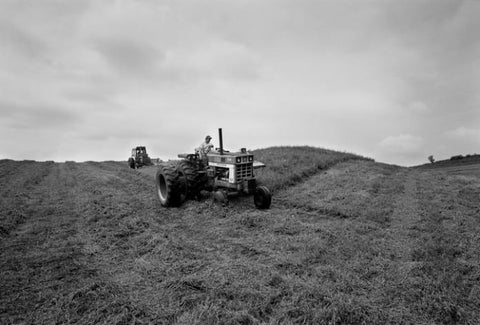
[403, 144]
[419, 108]
[403, 149]
[442, 71]
[384, 77]
[17, 41]
[130, 57]
[37, 117]
[39, 29]
[469, 134]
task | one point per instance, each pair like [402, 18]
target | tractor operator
[205, 148]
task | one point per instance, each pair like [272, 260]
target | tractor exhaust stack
[221, 140]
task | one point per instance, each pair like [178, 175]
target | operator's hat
[208, 137]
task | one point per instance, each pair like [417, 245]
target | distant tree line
[458, 157]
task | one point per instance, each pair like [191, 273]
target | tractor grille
[244, 171]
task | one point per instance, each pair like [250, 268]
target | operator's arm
[208, 147]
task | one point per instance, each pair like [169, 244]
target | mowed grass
[406, 242]
[350, 242]
[360, 243]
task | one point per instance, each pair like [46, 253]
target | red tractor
[139, 158]
[223, 173]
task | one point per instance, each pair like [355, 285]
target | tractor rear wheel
[190, 178]
[167, 185]
[131, 163]
[262, 197]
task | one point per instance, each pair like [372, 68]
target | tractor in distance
[139, 158]
[224, 173]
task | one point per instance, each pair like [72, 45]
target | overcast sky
[396, 81]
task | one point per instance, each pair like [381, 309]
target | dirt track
[89, 243]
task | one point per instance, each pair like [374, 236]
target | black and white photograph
[240, 162]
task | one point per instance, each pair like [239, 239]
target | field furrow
[18, 180]
[42, 259]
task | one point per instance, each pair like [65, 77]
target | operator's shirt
[204, 149]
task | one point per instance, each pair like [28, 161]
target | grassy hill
[287, 165]
[346, 241]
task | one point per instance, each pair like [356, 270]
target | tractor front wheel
[167, 185]
[262, 197]
[221, 196]
[131, 163]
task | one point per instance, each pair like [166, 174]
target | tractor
[224, 173]
[139, 158]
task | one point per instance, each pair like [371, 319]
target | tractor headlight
[239, 160]
[250, 158]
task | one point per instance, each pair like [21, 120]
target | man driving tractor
[205, 148]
